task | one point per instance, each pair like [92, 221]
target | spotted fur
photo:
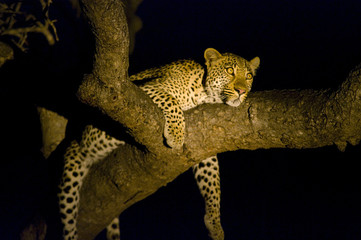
[94, 146]
[207, 176]
[175, 88]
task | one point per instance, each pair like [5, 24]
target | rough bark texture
[269, 119]
[107, 87]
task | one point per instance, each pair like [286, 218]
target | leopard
[174, 88]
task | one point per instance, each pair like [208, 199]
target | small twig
[11, 14]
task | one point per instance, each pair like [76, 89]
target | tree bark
[268, 119]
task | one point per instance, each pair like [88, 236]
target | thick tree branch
[107, 87]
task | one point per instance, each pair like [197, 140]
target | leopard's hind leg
[94, 146]
[68, 197]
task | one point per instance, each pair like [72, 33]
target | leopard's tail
[147, 74]
[172, 69]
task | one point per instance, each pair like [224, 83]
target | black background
[266, 194]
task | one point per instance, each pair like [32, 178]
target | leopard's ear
[255, 63]
[211, 54]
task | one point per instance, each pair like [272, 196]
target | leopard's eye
[249, 76]
[230, 70]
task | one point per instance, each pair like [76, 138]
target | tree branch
[107, 87]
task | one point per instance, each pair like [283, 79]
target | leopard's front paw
[174, 135]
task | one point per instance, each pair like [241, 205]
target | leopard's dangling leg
[206, 174]
[94, 146]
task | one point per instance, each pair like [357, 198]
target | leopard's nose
[241, 91]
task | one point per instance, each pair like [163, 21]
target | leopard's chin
[236, 99]
[234, 103]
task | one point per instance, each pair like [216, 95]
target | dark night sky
[267, 194]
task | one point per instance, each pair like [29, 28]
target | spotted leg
[78, 158]
[206, 174]
[174, 129]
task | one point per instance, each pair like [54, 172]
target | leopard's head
[229, 77]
